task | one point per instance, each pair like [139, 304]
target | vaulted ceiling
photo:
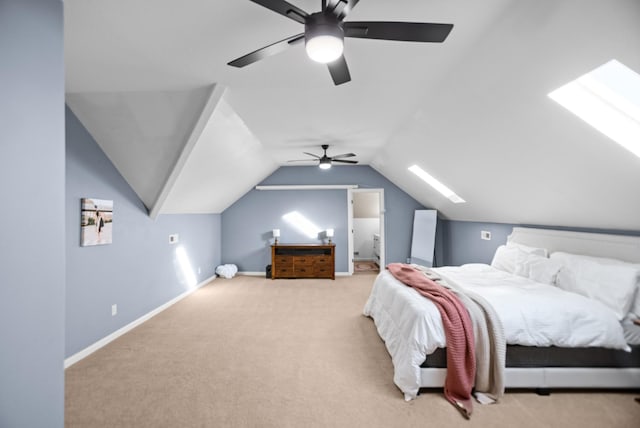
[150, 82]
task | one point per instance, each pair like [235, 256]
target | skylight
[607, 98]
[436, 184]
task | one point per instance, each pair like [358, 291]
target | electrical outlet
[408, 260]
[486, 235]
[199, 270]
[173, 238]
[114, 310]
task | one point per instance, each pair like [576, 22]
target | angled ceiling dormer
[224, 164]
[186, 139]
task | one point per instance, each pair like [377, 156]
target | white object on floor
[227, 271]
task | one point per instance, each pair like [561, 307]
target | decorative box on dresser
[303, 261]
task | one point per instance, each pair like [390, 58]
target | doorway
[366, 223]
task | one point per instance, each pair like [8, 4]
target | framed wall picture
[96, 222]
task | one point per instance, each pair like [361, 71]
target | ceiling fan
[324, 161]
[324, 33]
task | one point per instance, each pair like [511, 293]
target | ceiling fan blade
[343, 161]
[267, 51]
[285, 9]
[311, 154]
[344, 155]
[401, 31]
[339, 71]
[340, 8]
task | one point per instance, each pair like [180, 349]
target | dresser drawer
[323, 260]
[323, 271]
[284, 260]
[303, 260]
[285, 271]
[304, 271]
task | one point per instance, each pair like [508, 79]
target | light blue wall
[247, 224]
[32, 274]
[139, 271]
[462, 244]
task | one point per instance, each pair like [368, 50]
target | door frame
[350, 193]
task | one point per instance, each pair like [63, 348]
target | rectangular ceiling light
[607, 98]
[436, 184]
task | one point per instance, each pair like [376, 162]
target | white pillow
[609, 281]
[538, 268]
[635, 305]
[506, 258]
[530, 250]
[227, 271]
[513, 259]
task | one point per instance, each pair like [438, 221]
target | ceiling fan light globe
[325, 164]
[324, 48]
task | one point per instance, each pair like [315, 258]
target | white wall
[366, 204]
[363, 230]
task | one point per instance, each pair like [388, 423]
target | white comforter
[532, 314]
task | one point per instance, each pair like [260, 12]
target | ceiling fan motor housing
[323, 26]
[325, 162]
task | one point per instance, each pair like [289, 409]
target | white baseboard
[252, 273]
[68, 362]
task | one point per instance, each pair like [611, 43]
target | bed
[593, 345]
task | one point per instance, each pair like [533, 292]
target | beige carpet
[251, 352]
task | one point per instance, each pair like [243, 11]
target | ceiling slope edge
[217, 91]
[225, 163]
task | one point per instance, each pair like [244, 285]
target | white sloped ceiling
[472, 111]
[491, 133]
[227, 162]
[142, 132]
[177, 150]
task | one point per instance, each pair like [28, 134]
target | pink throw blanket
[461, 360]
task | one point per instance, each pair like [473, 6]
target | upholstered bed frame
[626, 248]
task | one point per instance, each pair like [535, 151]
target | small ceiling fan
[324, 161]
[324, 34]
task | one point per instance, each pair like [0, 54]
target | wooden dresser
[303, 261]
